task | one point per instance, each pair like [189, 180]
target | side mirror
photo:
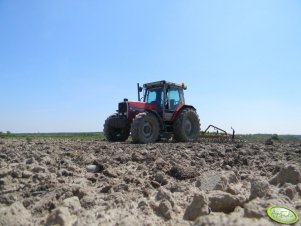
[140, 89]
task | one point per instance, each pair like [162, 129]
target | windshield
[154, 96]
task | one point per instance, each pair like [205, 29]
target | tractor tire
[115, 133]
[145, 128]
[187, 126]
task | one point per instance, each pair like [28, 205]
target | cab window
[155, 96]
[173, 96]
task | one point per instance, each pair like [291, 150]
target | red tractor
[162, 114]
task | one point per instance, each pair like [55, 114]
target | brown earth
[93, 182]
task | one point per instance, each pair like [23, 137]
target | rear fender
[179, 109]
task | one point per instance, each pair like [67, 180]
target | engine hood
[141, 106]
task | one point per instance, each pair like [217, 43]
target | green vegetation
[275, 137]
[100, 135]
[97, 135]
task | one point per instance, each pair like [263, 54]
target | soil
[94, 182]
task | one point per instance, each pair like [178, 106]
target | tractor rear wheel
[187, 126]
[145, 128]
[115, 132]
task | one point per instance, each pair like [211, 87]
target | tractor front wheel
[115, 129]
[145, 128]
[187, 126]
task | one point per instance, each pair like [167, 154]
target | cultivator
[219, 135]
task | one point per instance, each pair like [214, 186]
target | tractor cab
[167, 96]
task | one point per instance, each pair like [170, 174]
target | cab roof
[162, 83]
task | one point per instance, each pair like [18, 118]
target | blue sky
[65, 65]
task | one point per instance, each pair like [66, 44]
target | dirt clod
[198, 207]
[182, 173]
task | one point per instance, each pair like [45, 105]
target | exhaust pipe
[139, 91]
[138, 88]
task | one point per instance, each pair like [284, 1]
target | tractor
[160, 115]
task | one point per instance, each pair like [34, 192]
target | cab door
[173, 99]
